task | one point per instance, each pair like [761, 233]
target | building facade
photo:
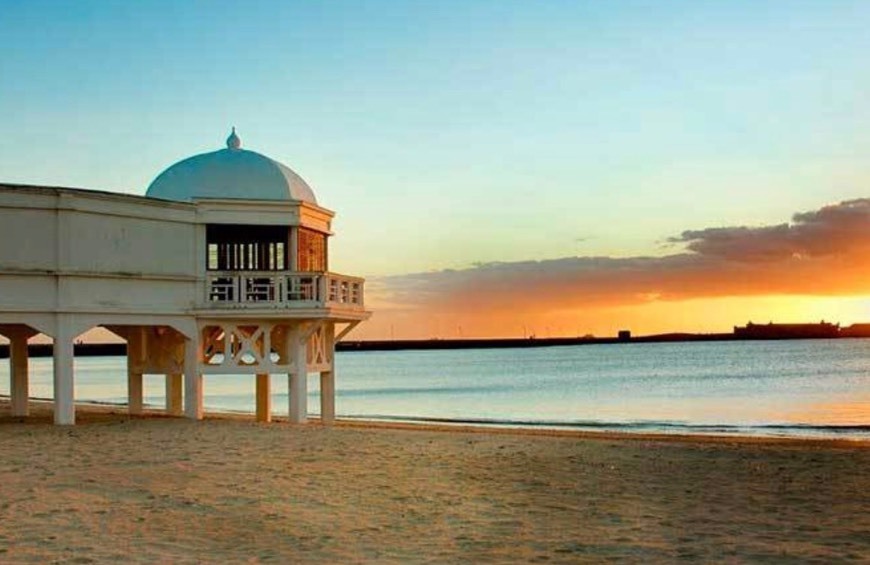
[221, 268]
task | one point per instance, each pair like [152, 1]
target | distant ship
[787, 331]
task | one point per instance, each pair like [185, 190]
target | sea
[798, 388]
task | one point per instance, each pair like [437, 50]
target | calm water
[815, 388]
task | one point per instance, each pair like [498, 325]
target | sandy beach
[155, 489]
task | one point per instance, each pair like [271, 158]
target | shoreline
[118, 411]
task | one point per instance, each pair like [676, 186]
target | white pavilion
[221, 268]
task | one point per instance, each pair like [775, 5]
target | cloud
[839, 229]
[821, 252]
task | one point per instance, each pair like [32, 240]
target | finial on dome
[233, 141]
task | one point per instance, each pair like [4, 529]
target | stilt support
[134, 393]
[18, 371]
[174, 387]
[327, 397]
[264, 398]
[298, 378]
[135, 359]
[64, 378]
[192, 381]
[298, 398]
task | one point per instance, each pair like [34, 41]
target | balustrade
[282, 289]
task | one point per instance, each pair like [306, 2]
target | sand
[156, 489]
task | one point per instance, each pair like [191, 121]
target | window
[311, 251]
[246, 248]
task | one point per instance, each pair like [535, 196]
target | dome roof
[230, 173]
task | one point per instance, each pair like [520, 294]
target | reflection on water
[817, 387]
[843, 412]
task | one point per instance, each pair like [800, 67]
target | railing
[283, 289]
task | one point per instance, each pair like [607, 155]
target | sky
[498, 168]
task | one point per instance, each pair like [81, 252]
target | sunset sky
[498, 168]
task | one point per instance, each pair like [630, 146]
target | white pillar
[327, 378]
[64, 378]
[298, 378]
[192, 380]
[264, 398]
[18, 373]
[327, 397]
[173, 394]
[135, 359]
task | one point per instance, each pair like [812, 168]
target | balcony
[283, 290]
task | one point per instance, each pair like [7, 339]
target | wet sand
[156, 489]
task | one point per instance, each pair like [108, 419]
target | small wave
[390, 391]
[762, 430]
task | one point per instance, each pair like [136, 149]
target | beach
[157, 489]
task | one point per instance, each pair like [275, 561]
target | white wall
[28, 239]
[27, 293]
[123, 245]
[67, 250]
[127, 294]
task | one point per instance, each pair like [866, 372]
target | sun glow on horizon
[701, 315]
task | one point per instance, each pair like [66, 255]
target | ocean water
[818, 388]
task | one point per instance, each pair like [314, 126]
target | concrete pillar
[327, 397]
[64, 377]
[134, 393]
[18, 373]
[327, 378]
[174, 395]
[192, 380]
[135, 359]
[298, 387]
[264, 398]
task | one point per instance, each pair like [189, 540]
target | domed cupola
[232, 173]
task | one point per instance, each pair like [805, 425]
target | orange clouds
[825, 252]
